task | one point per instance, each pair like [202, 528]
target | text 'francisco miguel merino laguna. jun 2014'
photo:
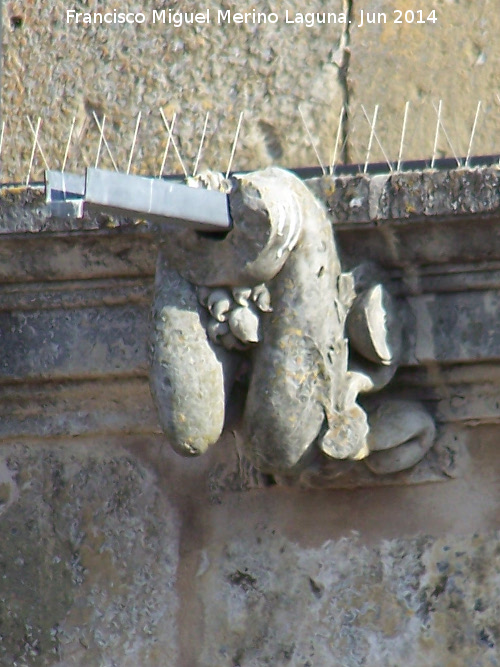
[227, 17]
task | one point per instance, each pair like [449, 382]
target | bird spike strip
[97, 143]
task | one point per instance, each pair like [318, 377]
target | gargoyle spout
[299, 391]
[270, 293]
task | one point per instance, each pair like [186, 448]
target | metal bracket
[64, 193]
[163, 202]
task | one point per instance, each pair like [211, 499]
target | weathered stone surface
[379, 577]
[456, 192]
[106, 563]
[416, 602]
[455, 60]
[45, 344]
[59, 71]
[90, 259]
[451, 328]
[87, 559]
[70, 408]
[412, 195]
[86, 325]
[325, 341]
[208, 562]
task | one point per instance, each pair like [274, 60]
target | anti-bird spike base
[271, 295]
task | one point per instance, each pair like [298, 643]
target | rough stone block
[455, 60]
[59, 71]
[88, 559]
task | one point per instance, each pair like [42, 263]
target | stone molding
[75, 297]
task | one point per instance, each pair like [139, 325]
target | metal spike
[169, 130]
[235, 141]
[136, 132]
[389, 163]
[337, 139]
[1, 136]
[198, 156]
[174, 118]
[472, 133]
[102, 140]
[312, 141]
[447, 138]
[33, 148]
[372, 124]
[35, 144]
[35, 134]
[436, 135]
[403, 132]
[351, 112]
[66, 152]
[101, 136]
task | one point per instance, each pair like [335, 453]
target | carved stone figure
[268, 303]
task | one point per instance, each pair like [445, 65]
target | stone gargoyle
[268, 302]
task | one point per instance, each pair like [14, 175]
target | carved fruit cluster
[235, 314]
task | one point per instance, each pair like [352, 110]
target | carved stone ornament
[268, 308]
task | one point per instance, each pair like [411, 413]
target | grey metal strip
[64, 193]
[164, 202]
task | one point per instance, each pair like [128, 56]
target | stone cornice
[75, 298]
[410, 196]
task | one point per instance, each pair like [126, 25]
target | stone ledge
[75, 299]
[364, 198]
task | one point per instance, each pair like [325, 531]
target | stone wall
[115, 551]
[59, 71]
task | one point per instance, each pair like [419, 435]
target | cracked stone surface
[59, 71]
[115, 556]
